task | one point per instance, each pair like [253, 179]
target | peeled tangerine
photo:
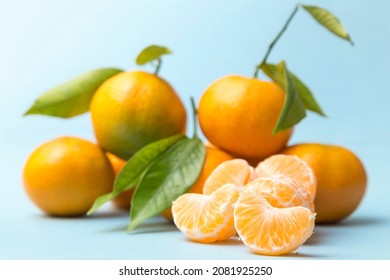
[267, 229]
[206, 218]
[235, 171]
[281, 191]
[290, 166]
[272, 214]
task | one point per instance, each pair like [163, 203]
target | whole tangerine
[63, 177]
[238, 114]
[133, 109]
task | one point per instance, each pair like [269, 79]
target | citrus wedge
[281, 191]
[269, 230]
[206, 218]
[235, 171]
[291, 166]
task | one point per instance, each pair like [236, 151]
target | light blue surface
[46, 42]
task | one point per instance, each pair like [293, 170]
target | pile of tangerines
[251, 183]
[272, 202]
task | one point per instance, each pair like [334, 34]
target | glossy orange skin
[133, 109]
[214, 157]
[123, 200]
[63, 177]
[341, 179]
[238, 115]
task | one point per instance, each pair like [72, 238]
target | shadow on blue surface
[234, 241]
[154, 225]
[317, 237]
[301, 255]
[358, 221]
[322, 232]
[108, 214]
[364, 221]
[98, 215]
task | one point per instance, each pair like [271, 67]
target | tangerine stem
[194, 116]
[159, 62]
[273, 43]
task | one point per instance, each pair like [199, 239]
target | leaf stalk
[194, 116]
[273, 43]
[158, 66]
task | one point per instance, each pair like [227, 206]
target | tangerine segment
[299, 189]
[235, 171]
[281, 191]
[291, 166]
[206, 218]
[268, 230]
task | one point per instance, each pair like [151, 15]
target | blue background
[47, 42]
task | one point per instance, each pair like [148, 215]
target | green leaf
[329, 21]
[151, 53]
[306, 96]
[71, 98]
[132, 171]
[293, 110]
[166, 179]
[276, 73]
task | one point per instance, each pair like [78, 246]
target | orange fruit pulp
[206, 218]
[281, 191]
[269, 230]
[290, 166]
[235, 171]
